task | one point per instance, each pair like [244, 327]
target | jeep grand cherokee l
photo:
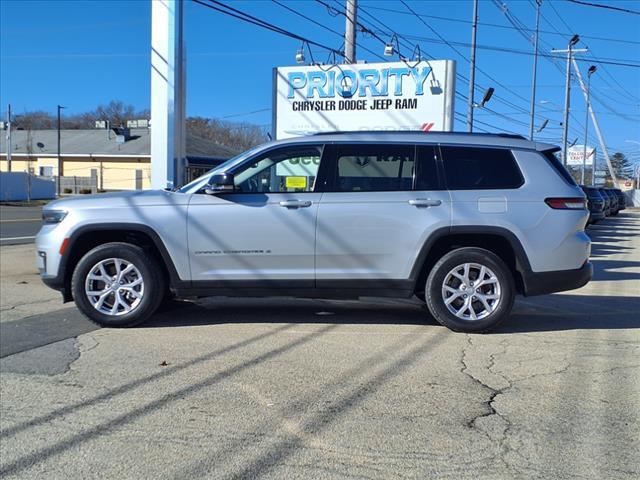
[463, 221]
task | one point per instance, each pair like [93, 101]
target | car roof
[504, 140]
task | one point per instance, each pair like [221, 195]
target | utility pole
[60, 107]
[595, 124]
[350, 31]
[567, 92]
[592, 70]
[472, 74]
[535, 70]
[9, 138]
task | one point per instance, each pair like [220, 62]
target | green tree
[621, 165]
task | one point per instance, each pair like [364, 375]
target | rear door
[381, 203]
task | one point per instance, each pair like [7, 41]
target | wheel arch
[498, 240]
[88, 237]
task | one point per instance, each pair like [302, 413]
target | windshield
[202, 180]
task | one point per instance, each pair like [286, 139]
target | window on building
[479, 168]
[375, 168]
[46, 171]
[291, 169]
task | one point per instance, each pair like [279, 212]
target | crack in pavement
[506, 426]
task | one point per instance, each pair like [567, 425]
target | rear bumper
[600, 215]
[541, 283]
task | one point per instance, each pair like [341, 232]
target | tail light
[575, 203]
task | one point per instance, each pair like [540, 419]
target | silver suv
[462, 221]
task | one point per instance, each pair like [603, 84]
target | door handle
[424, 202]
[295, 203]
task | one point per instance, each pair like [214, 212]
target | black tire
[436, 279]
[147, 265]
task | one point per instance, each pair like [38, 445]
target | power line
[321, 25]
[628, 95]
[610, 7]
[460, 76]
[245, 17]
[596, 94]
[515, 51]
[494, 25]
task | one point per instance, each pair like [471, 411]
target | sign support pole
[350, 32]
[168, 106]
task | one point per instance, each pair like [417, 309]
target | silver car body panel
[552, 239]
[375, 235]
[252, 236]
[339, 235]
[163, 212]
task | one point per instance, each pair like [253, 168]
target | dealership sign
[575, 155]
[375, 96]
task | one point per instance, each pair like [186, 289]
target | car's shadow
[547, 313]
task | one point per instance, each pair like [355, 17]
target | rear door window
[374, 168]
[480, 168]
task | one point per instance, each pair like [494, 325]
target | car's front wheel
[117, 285]
[470, 290]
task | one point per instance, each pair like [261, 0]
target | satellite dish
[40, 145]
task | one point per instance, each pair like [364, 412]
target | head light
[53, 216]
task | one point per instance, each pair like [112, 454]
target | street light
[565, 124]
[542, 127]
[567, 99]
[60, 107]
[389, 48]
[487, 96]
[591, 71]
[300, 55]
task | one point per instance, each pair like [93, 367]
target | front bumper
[541, 283]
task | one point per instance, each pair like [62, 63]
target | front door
[263, 231]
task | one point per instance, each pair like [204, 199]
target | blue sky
[84, 53]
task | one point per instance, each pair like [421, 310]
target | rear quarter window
[555, 162]
[478, 168]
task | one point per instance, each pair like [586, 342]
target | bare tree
[234, 136]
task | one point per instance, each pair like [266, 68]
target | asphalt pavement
[19, 224]
[293, 388]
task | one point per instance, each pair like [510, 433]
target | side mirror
[220, 182]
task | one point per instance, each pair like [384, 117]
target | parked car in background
[607, 201]
[611, 202]
[595, 203]
[615, 201]
[463, 221]
[622, 198]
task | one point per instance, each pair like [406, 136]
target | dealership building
[108, 159]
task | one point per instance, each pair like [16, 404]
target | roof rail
[413, 132]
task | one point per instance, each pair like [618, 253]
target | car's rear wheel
[117, 285]
[470, 290]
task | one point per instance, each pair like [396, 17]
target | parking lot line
[21, 220]
[17, 238]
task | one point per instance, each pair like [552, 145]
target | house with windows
[111, 158]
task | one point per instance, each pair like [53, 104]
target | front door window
[286, 170]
